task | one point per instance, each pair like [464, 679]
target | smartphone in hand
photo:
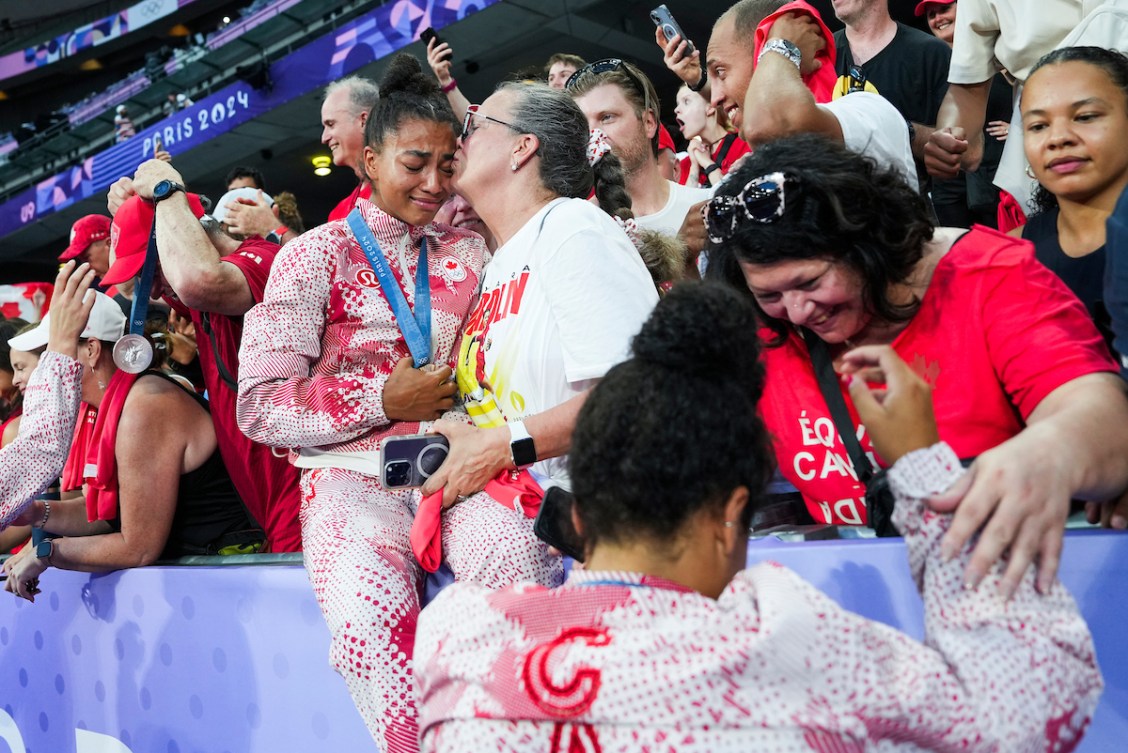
[428, 34]
[408, 461]
[554, 524]
[664, 20]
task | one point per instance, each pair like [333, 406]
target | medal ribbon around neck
[415, 326]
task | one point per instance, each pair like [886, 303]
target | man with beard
[619, 100]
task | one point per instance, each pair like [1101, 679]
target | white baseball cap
[107, 322]
[246, 192]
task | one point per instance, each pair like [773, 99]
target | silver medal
[133, 354]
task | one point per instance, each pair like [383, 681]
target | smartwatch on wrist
[521, 448]
[712, 168]
[164, 189]
[44, 549]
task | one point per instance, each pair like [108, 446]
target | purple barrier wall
[233, 659]
[368, 38]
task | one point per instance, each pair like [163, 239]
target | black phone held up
[408, 461]
[664, 20]
[428, 34]
[554, 526]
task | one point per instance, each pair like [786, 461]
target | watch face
[44, 548]
[164, 189]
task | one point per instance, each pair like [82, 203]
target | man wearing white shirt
[619, 99]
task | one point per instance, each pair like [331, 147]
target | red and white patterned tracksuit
[315, 356]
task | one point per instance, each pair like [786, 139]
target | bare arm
[150, 460]
[1075, 445]
[778, 103]
[477, 455]
[36, 457]
[957, 141]
[439, 58]
[190, 262]
[67, 518]
[937, 688]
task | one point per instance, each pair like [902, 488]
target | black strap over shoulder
[726, 144]
[879, 498]
[839, 413]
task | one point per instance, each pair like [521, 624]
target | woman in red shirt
[832, 245]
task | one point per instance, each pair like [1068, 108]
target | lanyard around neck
[416, 327]
[139, 312]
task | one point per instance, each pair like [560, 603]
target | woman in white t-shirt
[562, 297]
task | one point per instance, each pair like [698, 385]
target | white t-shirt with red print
[560, 303]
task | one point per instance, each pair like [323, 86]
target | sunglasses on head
[605, 66]
[761, 200]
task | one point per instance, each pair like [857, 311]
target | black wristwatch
[164, 189]
[44, 549]
[521, 447]
[700, 82]
[711, 168]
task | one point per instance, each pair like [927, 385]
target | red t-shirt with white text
[996, 332]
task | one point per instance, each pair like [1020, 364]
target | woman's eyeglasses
[468, 126]
[761, 200]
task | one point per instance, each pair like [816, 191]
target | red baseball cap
[92, 227]
[665, 140]
[922, 6]
[129, 236]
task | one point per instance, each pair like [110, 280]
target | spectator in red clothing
[712, 147]
[155, 486]
[839, 253]
[344, 111]
[214, 278]
[90, 241]
[665, 636]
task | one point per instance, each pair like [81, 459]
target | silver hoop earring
[1030, 173]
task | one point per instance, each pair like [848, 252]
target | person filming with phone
[665, 640]
[353, 345]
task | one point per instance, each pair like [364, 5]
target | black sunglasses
[761, 200]
[604, 66]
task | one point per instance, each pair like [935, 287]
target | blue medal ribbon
[415, 326]
[139, 312]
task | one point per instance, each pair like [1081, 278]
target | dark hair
[567, 58]
[674, 429]
[245, 171]
[839, 205]
[1115, 66]
[406, 94]
[9, 328]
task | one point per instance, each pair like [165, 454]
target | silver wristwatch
[782, 47]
